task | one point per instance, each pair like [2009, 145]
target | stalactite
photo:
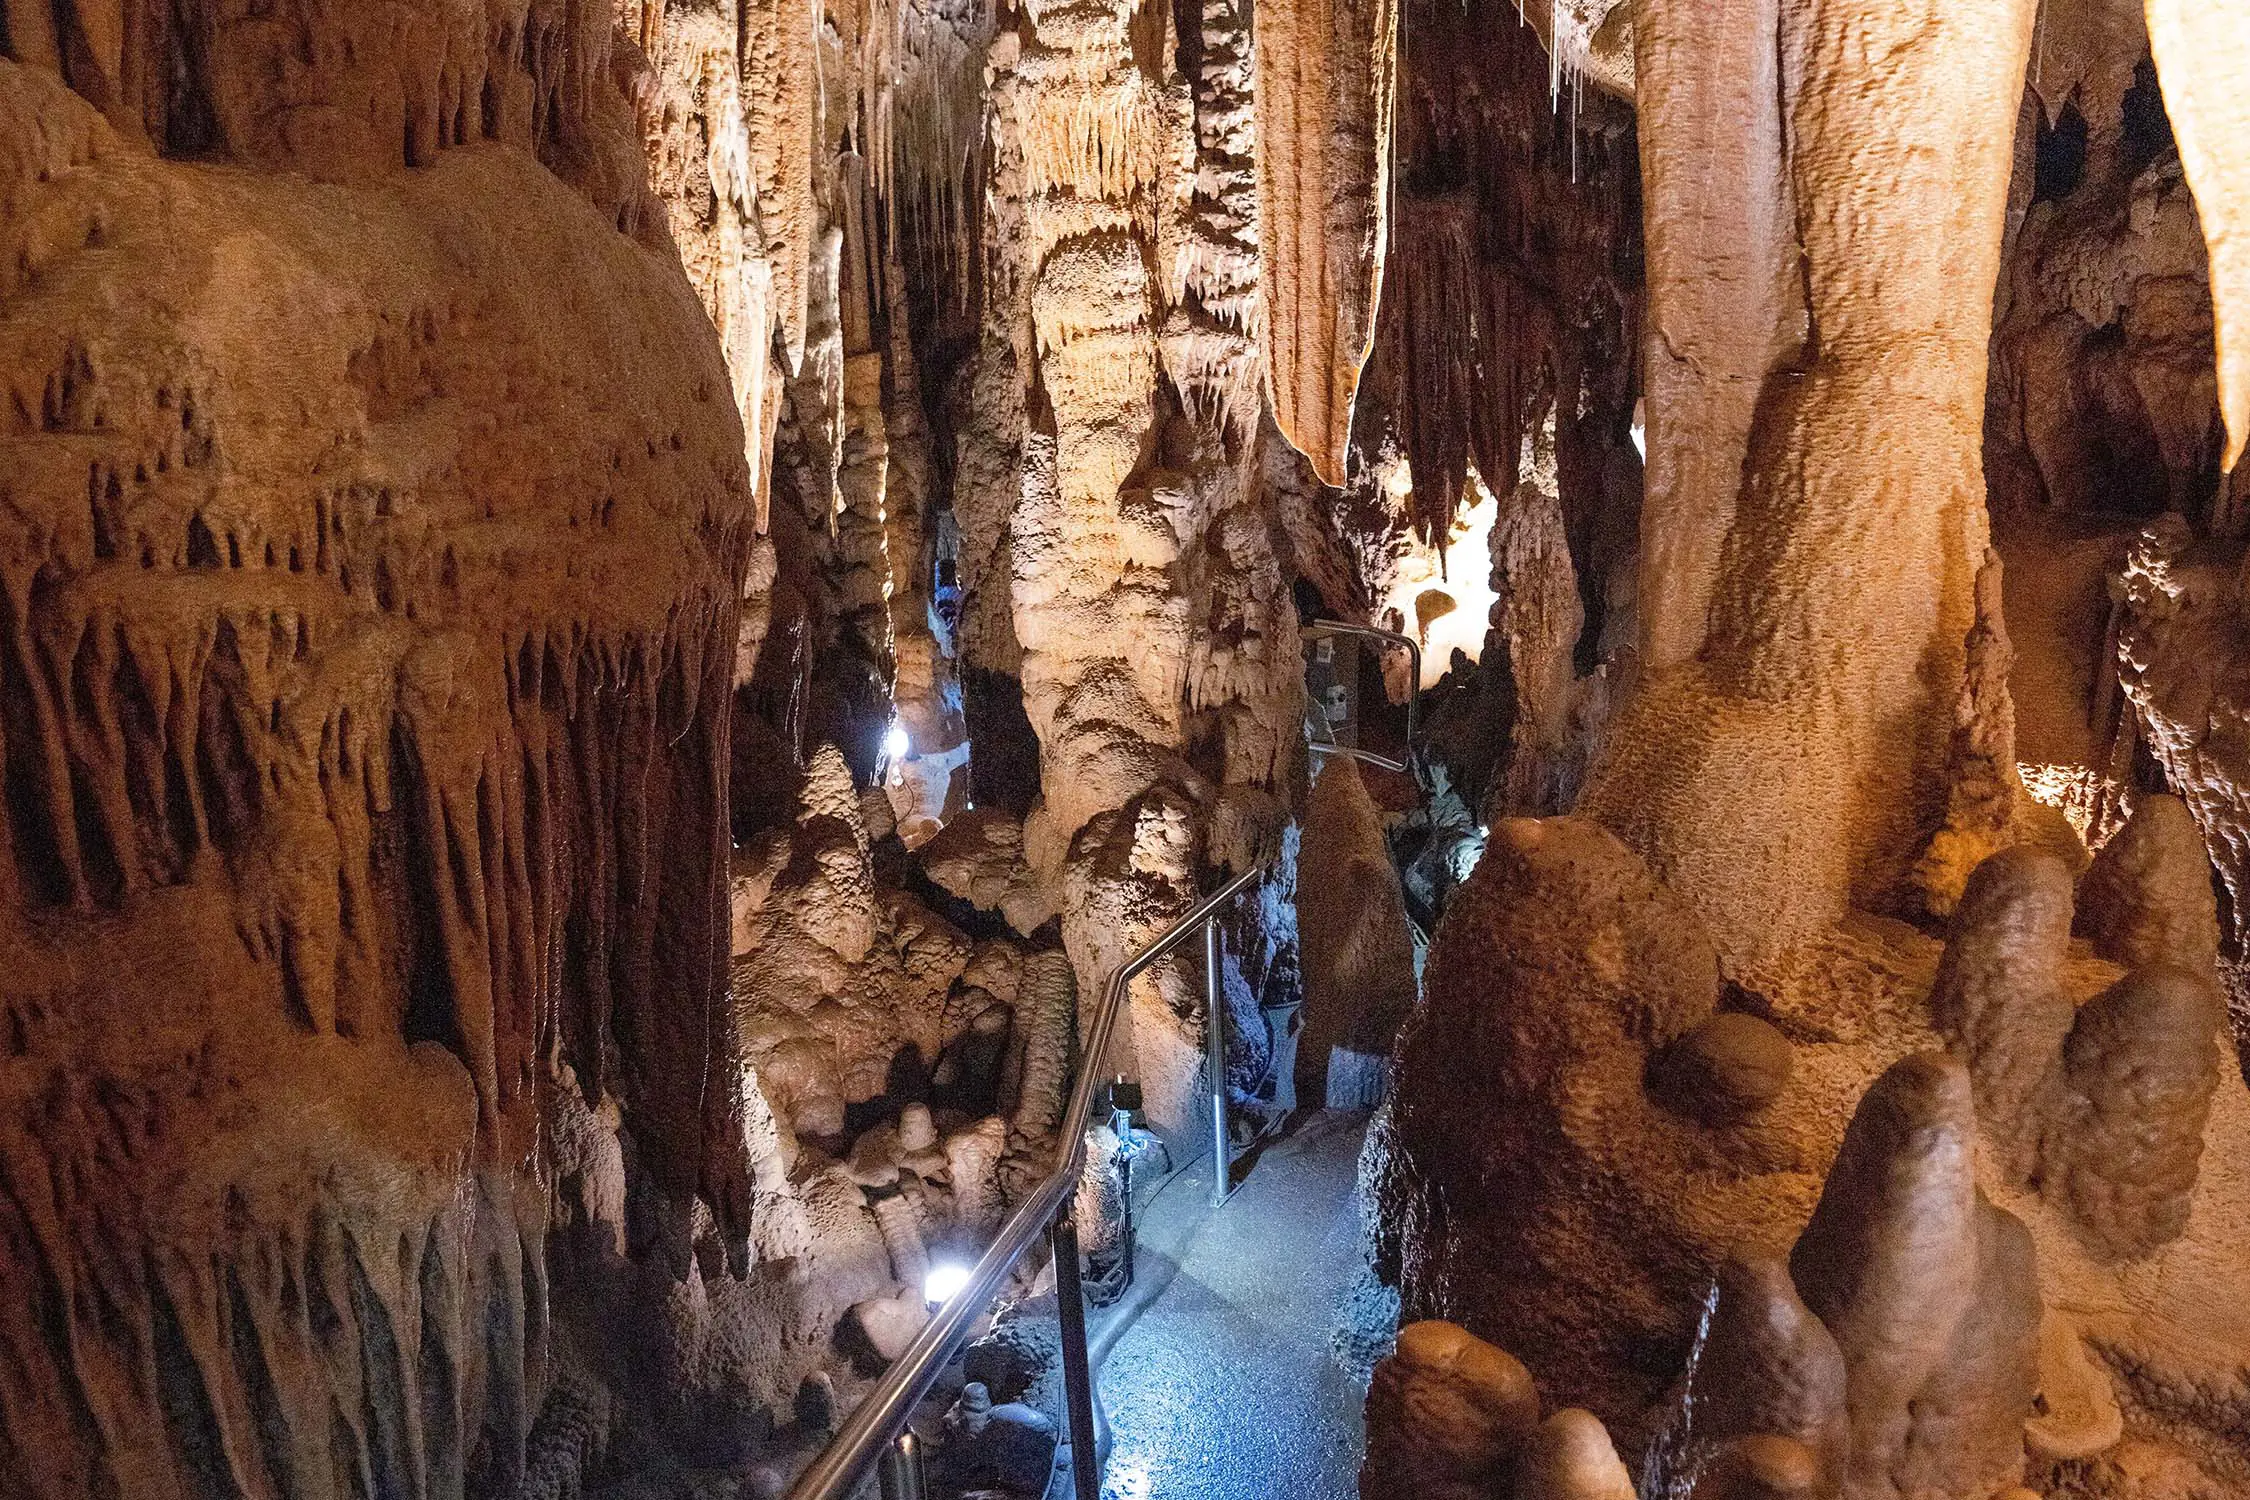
[1725, 307]
[1325, 77]
[1512, 280]
[2204, 64]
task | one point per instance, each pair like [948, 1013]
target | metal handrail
[1319, 628]
[881, 1419]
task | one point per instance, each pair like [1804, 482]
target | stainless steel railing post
[1215, 1059]
[1078, 1373]
[900, 1469]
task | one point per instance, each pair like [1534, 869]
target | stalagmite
[1045, 1010]
[1999, 998]
[1445, 1415]
[1812, 687]
[1768, 1367]
[1569, 1457]
[1358, 949]
[1930, 1291]
[2147, 897]
[2140, 1067]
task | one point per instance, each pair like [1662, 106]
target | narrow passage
[1225, 1387]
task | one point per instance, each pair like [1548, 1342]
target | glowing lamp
[944, 1283]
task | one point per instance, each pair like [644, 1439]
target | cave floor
[1220, 1382]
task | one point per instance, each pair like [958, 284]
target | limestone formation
[1324, 89]
[2201, 62]
[2147, 897]
[978, 856]
[1873, 197]
[370, 628]
[1999, 998]
[1925, 1286]
[1759, 1468]
[1726, 1068]
[1358, 949]
[2181, 599]
[2140, 1066]
[1561, 967]
[1768, 1368]
[612, 618]
[1446, 1413]
[1569, 1457]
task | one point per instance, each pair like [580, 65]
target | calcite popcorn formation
[609, 616]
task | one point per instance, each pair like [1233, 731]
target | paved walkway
[1224, 1387]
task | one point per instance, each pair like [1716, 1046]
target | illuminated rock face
[372, 576]
[1540, 1182]
[1325, 86]
[1818, 593]
[465, 459]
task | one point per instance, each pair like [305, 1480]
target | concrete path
[1223, 1385]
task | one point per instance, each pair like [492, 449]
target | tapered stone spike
[1930, 1292]
[1769, 1366]
[2147, 898]
[1446, 1414]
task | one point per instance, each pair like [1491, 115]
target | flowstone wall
[372, 572]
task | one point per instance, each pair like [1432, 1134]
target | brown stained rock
[1569, 1457]
[2201, 60]
[1522, 1135]
[1968, 1419]
[1924, 1287]
[1539, 616]
[2181, 610]
[889, 1324]
[1984, 793]
[1769, 1367]
[1358, 952]
[1446, 1412]
[978, 856]
[835, 975]
[1324, 83]
[2078, 1415]
[1763, 1467]
[366, 743]
[725, 103]
[1724, 305]
[1046, 1012]
[2147, 898]
[1725, 1069]
[2139, 1069]
[1999, 999]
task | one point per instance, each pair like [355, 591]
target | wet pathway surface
[1224, 1386]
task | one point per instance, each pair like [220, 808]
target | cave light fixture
[944, 1282]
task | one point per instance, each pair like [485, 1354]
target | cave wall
[612, 613]
[378, 513]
